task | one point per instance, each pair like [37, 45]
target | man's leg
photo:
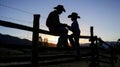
[62, 41]
[65, 41]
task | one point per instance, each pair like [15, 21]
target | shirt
[53, 19]
[75, 27]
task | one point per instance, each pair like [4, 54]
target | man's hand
[65, 25]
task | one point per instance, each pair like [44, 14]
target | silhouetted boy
[74, 38]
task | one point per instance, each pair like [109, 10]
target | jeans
[63, 33]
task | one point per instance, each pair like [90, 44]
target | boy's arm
[69, 27]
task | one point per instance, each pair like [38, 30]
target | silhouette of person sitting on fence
[54, 25]
[74, 38]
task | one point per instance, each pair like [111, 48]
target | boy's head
[74, 16]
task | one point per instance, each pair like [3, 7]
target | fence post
[112, 56]
[97, 51]
[35, 37]
[92, 45]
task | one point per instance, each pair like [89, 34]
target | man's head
[59, 8]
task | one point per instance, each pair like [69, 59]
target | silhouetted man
[54, 25]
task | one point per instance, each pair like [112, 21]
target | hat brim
[71, 16]
[59, 9]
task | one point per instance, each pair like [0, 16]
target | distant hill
[7, 39]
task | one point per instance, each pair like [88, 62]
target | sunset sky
[104, 15]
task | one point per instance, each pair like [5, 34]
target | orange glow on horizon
[54, 39]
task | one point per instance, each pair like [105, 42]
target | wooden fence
[35, 58]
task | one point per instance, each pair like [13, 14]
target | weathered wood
[105, 56]
[35, 39]
[93, 49]
[36, 32]
[27, 28]
[14, 25]
[104, 43]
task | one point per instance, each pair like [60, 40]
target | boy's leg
[77, 46]
[72, 41]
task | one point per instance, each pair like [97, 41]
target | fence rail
[27, 28]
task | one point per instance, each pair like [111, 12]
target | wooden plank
[15, 59]
[14, 25]
[57, 62]
[35, 38]
[26, 58]
[105, 43]
[105, 56]
[20, 64]
[103, 61]
[27, 28]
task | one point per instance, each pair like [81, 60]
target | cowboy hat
[74, 14]
[60, 7]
